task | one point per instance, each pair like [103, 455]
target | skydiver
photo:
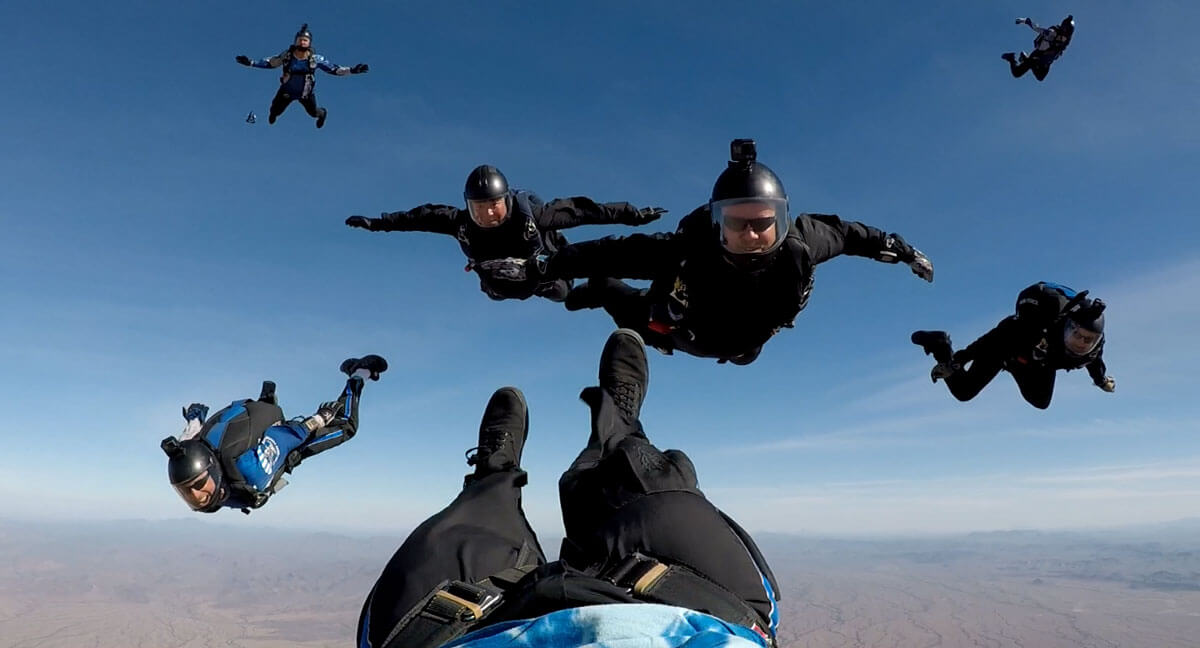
[1048, 45]
[646, 556]
[300, 63]
[737, 270]
[1054, 328]
[507, 234]
[236, 458]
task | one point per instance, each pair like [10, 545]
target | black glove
[243, 59]
[359, 221]
[921, 266]
[359, 69]
[198, 411]
[648, 214]
[331, 409]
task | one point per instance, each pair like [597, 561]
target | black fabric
[347, 424]
[621, 495]
[530, 231]
[1028, 350]
[480, 533]
[1029, 64]
[701, 302]
[282, 99]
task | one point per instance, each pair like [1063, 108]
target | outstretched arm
[828, 236]
[338, 70]
[271, 62]
[439, 219]
[1098, 372]
[581, 210]
[638, 256]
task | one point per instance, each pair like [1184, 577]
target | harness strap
[453, 608]
[652, 580]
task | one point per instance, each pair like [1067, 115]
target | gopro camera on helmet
[170, 446]
[743, 150]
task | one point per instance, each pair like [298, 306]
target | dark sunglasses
[759, 225]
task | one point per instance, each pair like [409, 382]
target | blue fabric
[623, 625]
[1068, 292]
[259, 464]
[217, 432]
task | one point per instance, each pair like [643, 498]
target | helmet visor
[751, 225]
[200, 491]
[1078, 340]
[489, 212]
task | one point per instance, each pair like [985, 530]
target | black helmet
[1083, 329]
[303, 33]
[748, 200]
[487, 183]
[1067, 26]
[190, 466]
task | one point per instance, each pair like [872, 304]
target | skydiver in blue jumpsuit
[236, 458]
[300, 63]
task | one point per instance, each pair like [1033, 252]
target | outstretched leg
[1018, 63]
[964, 382]
[1036, 385]
[343, 412]
[482, 532]
[556, 291]
[313, 110]
[278, 104]
[623, 495]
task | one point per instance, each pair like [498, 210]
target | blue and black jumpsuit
[256, 446]
[298, 81]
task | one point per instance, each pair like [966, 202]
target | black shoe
[373, 363]
[321, 119]
[935, 343]
[1009, 56]
[624, 373]
[271, 118]
[502, 433]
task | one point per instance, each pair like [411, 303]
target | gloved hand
[921, 266]
[195, 411]
[331, 409]
[647, 215]
[243, 59]
[359, 221]
[1108, 384]
[359, 69]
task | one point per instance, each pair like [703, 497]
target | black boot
[1009, 56]
[321, 118]
[935, 343]
[502, 434]
[373, 363]
[624, 376]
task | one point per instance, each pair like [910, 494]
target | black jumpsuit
[701, 303]
[1032, 352]
[509, 258]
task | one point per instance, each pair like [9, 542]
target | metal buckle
[470, 599]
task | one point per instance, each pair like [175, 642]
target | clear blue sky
[159, 250]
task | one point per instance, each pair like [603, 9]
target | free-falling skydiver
[1048, 45]
[237, 457]
[1054, 328]
[300, 63]
[507, 234]
[736, 271]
